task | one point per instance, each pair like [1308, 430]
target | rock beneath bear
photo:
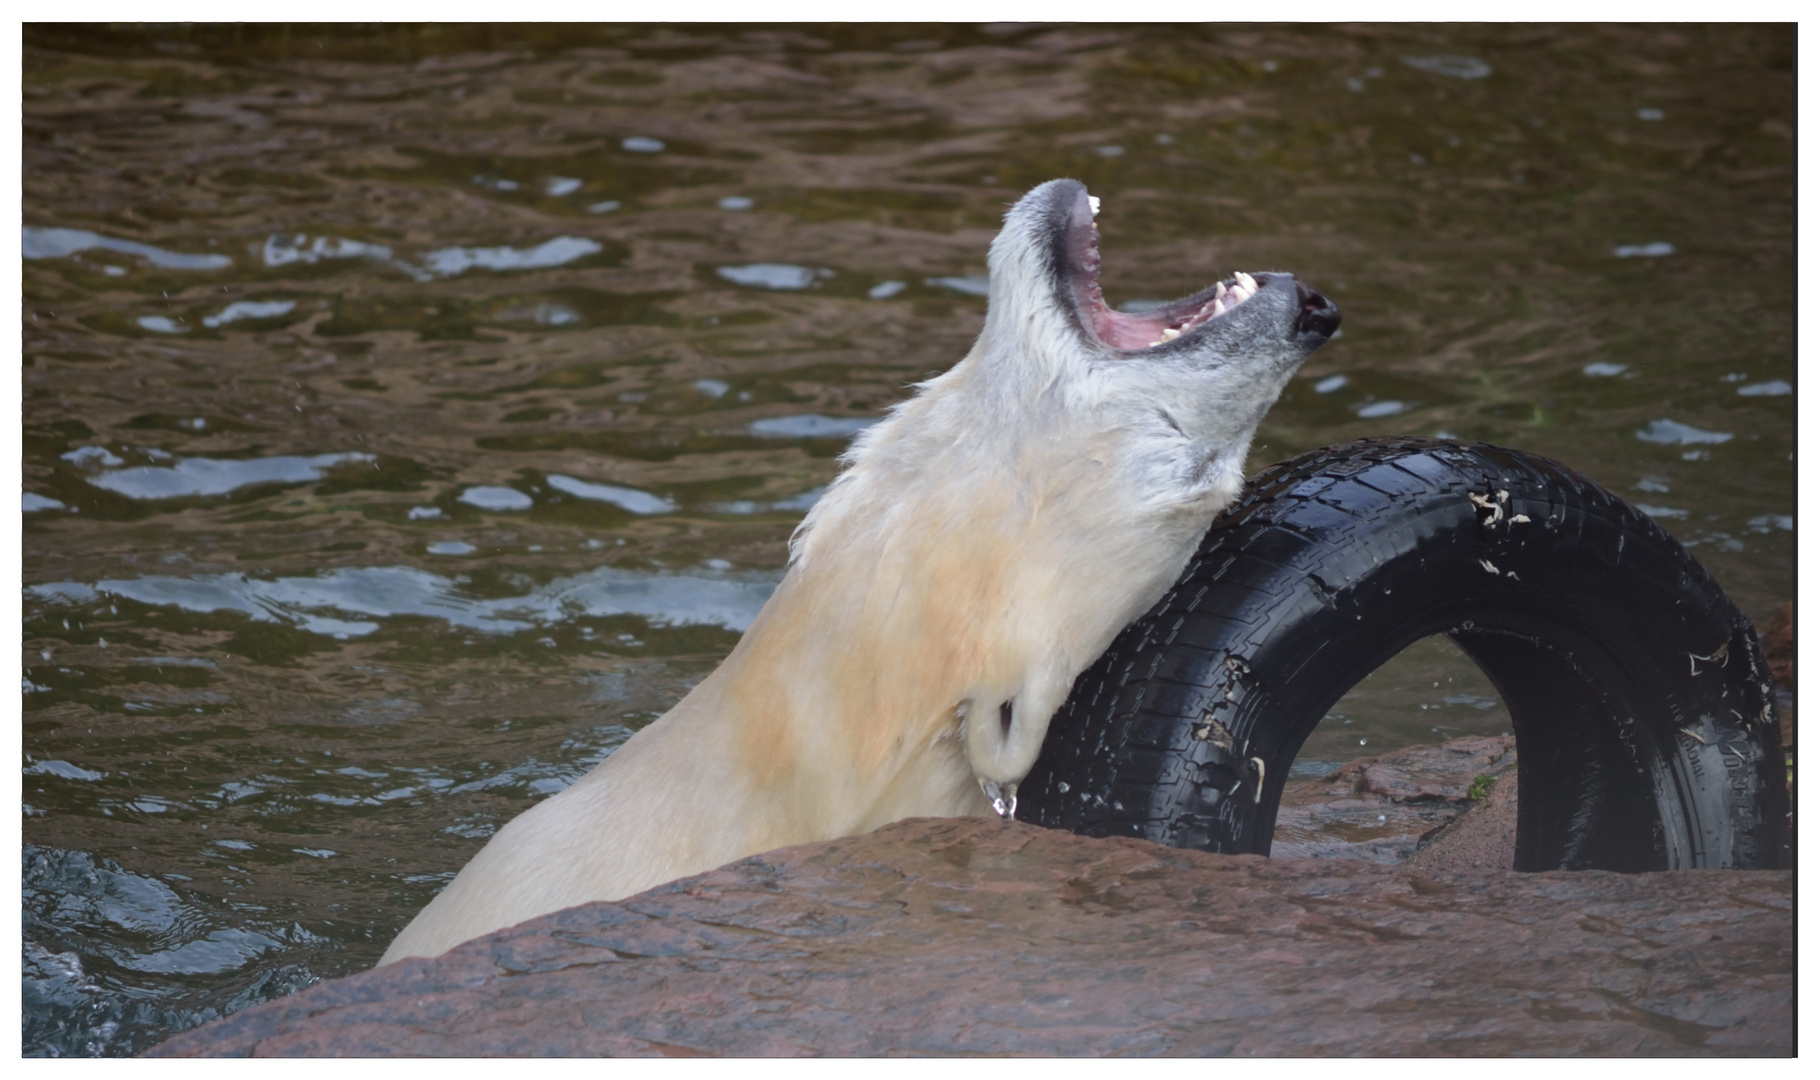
[975, 936]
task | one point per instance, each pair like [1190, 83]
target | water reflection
[285, 250]
[638, 502]
[489, 497]
[1454, 67]
[207, 476]
[773, 275]
[973, 285]
[543, 313]
[1675, 433]
[49, 243]
[715, 598]
[63, 769]
[811, 426]
[745, 506]
[459, 260]
[249, 309]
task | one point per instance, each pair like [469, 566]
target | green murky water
[411, 414]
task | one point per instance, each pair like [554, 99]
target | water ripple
[144, 944]
[333, 602]
[746, 506]
[1377, 409]
[1454, 67]
[249, 309]
[638, 502]
[976, 285]
[1675, 433]
[811, 426]
[490, 497]
[458, 260]
[63, 769]
[42, 243]
[209, 476]
[772, 275]
[284, 250]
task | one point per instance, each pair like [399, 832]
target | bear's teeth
[1171, 333]
[1093, 203]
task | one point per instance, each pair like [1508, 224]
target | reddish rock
[974, 936]
[1381, 808]
[1778, 638]
[1483, 838]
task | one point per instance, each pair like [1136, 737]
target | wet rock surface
[1482, 838]
[976, 936]
[1381, 808]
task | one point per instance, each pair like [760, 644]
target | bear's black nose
[1319, 315]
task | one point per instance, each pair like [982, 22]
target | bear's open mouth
[1140, 330]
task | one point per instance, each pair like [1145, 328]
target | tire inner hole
[1427, 694]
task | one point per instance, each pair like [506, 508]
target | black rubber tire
[1646, 730]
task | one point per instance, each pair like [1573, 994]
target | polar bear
[981, 548]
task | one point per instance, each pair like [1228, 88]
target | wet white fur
[984, 545]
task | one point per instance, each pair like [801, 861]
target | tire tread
[1312, 542]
